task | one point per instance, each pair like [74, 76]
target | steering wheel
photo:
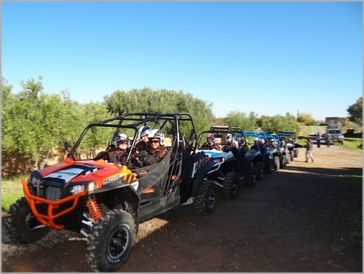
[138, 156]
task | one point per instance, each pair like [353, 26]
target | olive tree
[240, 119]
[274, 124]
[160, 101]
[35, 123]
[356, 111]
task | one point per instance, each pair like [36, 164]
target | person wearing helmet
[259, 144]
[143, 144]
[244, 150]
[262, 144]
[210, 143]
[271, 143]
[255, 145]
[235, 144]
[118, 154]
[229, 142]
[156, 150]
[283, 143]
[243, 144]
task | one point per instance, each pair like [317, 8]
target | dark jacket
[213, 145]
[154, 155]
[117, 156]
[142, 146]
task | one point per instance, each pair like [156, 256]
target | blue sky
[264, 57]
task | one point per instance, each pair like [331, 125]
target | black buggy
[106, 202]
[231, 165]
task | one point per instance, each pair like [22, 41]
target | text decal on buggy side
[111, 179]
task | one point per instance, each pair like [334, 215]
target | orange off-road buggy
[106, 202]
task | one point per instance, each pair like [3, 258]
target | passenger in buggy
[143, 143]
[243, 144]
[155, 152]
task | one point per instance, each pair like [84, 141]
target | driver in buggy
[211, 143]
[259, 146]
[229, 142]
[272, 144]
[118, 154]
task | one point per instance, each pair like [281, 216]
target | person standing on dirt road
[309, 148]
[328, 139]
[318, 139]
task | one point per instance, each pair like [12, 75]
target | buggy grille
[51, 189]
[53, 193]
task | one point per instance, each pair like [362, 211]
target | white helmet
[228, 138]
[145, 130]
[122, 137]
[156, 133]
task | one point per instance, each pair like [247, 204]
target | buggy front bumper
[53, 207]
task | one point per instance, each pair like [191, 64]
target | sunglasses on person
[155, 141]
[122, 142]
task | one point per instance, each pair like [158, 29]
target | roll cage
[221, 132]
[170, 123]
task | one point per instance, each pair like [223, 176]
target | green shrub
[11, 190]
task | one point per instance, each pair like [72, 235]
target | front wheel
[250, 178]
[282, 161]
[111, 241]
[231, 185]
[288, 158]
[206, 202]
[276, 162]
[292, 155]
[268, 167]
[258, 169]
[22, 226]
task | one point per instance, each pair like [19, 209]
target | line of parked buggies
[106, 202]
[245, 155]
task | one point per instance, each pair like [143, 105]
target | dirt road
[298, 219]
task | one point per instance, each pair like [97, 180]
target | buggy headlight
[33, 181]
[77, 189]
[91, 187]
